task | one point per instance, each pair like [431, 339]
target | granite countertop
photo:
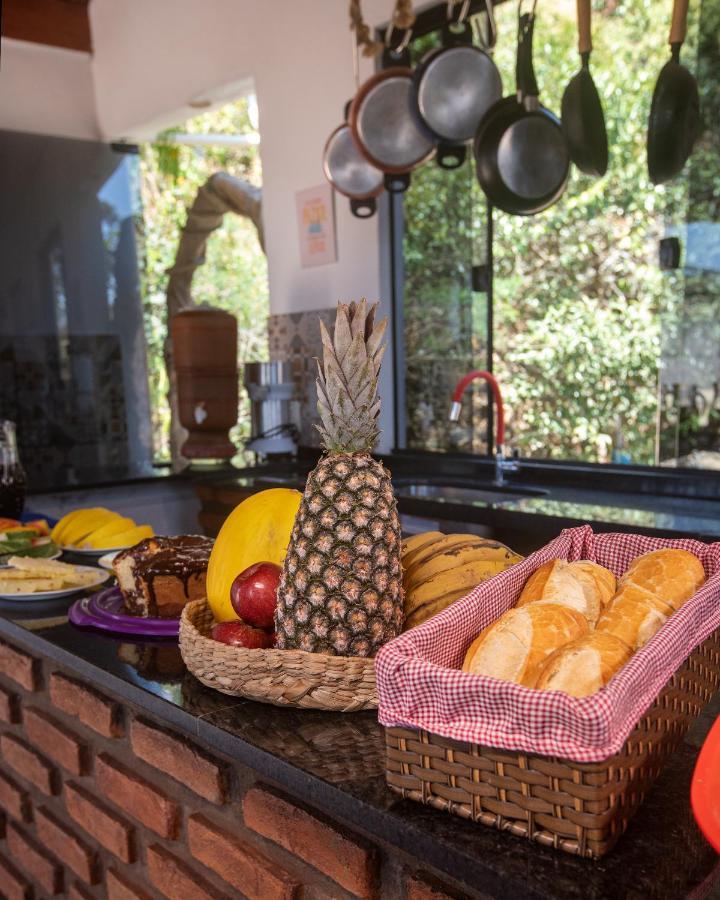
[336, 762]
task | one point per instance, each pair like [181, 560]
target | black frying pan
[521, 154]
[675, 111]
[455, 85]
[581, 112]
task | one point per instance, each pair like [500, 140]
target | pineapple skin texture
[341, 591]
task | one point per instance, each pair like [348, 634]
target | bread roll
[672, 575]
[516, 645]
[585, 665]
[634, 616]
[583, 586]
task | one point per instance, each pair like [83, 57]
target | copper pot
[204, 343]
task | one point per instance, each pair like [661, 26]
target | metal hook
[464, 10]
[491, 24]
[396, 51]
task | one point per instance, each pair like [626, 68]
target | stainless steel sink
[477, 492]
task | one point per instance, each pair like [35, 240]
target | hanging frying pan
[383, 125]
[350, 173]
[582, 113]
[675, 111]
[521, 154]
[455, 85]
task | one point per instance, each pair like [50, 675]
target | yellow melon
[257, 530]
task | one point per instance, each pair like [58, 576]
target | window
[601, 353]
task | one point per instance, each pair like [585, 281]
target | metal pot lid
[532, 157]
[455, 91]
[347, 169]
[389, 132]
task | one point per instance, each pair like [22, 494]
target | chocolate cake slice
[160, 575]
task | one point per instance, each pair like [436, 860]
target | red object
[238, 634]
[253, 594]
[420, 684]
[495, 387]
[705, 787]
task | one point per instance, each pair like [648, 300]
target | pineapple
[341, 588]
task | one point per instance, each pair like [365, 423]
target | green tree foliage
[234, 276]
[580, 300]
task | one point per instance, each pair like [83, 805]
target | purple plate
[104, 611]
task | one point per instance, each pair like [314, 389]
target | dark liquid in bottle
[12, 492]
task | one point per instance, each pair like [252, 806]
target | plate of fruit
[30, 539]
[45, 579]
[96, 531]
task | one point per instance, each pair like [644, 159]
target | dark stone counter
[336, 763]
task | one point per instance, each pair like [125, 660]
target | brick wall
[98, 801]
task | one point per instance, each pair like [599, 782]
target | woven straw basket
[280, 677]
[581, 808]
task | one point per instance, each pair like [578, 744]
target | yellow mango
[125, 538]
[111, 527]
[257, 530]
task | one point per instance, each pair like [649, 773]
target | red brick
[14, 800]
[346, 859]
[90, 707]
[105, 826]
[57, 742]
[9, 707]
[66, 845]
[121, 888]
[33, 859]
[137, 797]
[78, 892]
[241, 865]
[29, 764]
[19, 667]
[181, 760]
[174, 879]
[12, 885]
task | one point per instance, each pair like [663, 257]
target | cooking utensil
[382, 122]
[455, 85]
[705, 787]
[349, 172]
[521, 155]
[581, 112]
[675, 112]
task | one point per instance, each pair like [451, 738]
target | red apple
[254, 594]
[238, 634]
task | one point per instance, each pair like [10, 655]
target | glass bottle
[12, 474]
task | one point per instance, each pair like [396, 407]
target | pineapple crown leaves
[348, 403]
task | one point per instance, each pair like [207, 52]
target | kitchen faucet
[503, 463]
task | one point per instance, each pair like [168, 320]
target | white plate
[107, 561]
[90, 551]
[101, 578]
[56, 555]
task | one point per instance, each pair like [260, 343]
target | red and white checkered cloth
[420, 684]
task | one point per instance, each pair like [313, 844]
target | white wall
[47, 90]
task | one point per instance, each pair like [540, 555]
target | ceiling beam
[57, 23]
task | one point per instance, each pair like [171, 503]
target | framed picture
[316, 226]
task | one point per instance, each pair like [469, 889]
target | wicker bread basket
[280, 677]
[582, 808]
[564, 772]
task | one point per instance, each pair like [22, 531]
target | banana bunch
[98, 528]
[439, 569]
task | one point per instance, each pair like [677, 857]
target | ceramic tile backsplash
[296, 337]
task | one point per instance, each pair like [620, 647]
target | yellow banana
[417, 543]
[461, 578]
[457, 557]
[440, 544]
[428, 610]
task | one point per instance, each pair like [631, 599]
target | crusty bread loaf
[670, 574]
[584, 665]
[634, 616]
[516, 645]
[583, 586]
